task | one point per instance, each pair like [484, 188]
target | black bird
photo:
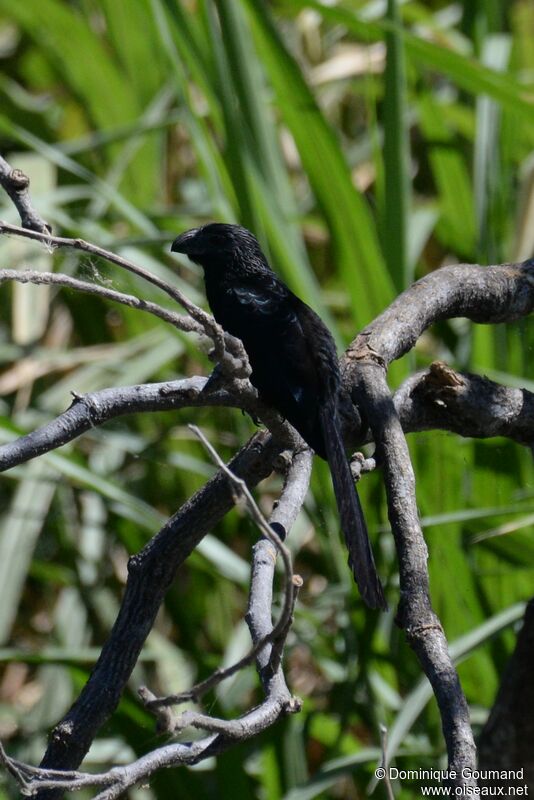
[294, 364]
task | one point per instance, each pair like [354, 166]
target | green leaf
[354, 240]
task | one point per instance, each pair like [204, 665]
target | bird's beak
[185, 243]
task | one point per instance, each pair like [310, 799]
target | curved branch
[53, 783]
[227, 349]
[179, 321]
[95, 408]
[482, 294]
[16, 184]
[150, 573]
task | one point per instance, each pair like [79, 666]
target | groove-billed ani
[294, 364]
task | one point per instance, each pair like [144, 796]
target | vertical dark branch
[506, 739]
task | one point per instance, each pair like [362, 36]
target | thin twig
[205, 320]
[292, 583]
[235, 361]
[13, 768]
[384, 762]
[253, 508]
[179, 321]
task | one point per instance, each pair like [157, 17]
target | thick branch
[466, 404]
[483, 294]
[415, 615]
[150, 574]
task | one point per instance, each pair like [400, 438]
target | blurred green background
[366, 143]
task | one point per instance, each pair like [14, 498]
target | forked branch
[436, 398]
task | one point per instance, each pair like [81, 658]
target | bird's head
[220, 244]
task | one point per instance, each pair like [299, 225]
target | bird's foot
[359, 464]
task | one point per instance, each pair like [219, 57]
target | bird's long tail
[361, 559]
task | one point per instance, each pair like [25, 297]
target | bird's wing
[270, 326]
[263, 314]
[297, 330]
[321, 349]
[281, 330]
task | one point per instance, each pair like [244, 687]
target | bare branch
[95, 408]
[415, 614]
[466, 404]
[179, 321]
[228, 350]
[297, 480]
[43, 782]
[15, 770]
[16, 184]
[483, 294]
[293, 494]
[151, 572]
[292, 583]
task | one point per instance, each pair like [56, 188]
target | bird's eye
[220, 241]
